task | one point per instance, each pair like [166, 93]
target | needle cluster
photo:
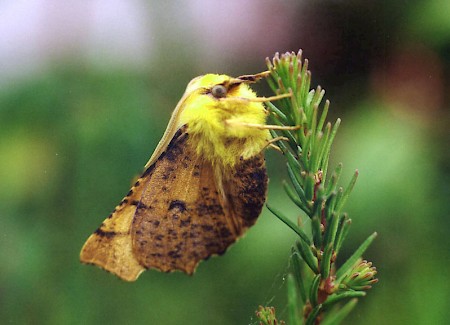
[318, 290]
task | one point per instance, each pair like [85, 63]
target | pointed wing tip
[129, 274]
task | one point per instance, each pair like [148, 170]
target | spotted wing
[183, 218]
[175, 215]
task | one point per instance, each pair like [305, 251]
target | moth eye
[219, 91]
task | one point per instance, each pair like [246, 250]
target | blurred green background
[86, 90]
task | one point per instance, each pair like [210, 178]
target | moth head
[216, 88]
[212, 100]
[217, 109]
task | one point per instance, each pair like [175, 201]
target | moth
[203, 187]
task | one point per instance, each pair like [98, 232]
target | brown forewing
[110, 246]
[183, 218]
[175, 216]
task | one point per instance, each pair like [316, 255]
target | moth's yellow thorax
[216, 126]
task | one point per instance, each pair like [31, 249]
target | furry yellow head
[217, 110]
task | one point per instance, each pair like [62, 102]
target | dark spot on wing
[178, 204]
[140, 205]
[174, 254]
[209, 209]
[225, 232]
[207, 228]
[107, 234]
[186, 222]
[148, 170]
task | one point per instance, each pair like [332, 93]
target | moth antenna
[251, 78]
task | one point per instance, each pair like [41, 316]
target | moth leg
[275, 147]
[257, 99]
[264, 99]
[271, 144]
[232, 122]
